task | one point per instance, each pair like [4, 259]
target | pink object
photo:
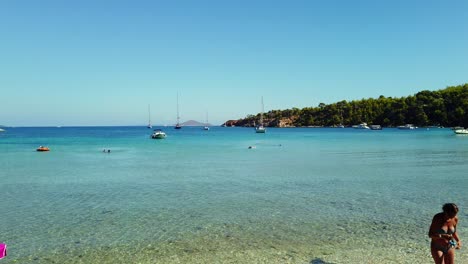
[3, 252]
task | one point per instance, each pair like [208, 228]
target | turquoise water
[302, 195]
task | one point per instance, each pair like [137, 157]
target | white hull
[158, 135]
[260, 129]
[361, 126]
[407, 127]
[461, 131]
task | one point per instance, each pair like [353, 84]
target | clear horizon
[86, 64]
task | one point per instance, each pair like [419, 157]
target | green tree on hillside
[447, 107]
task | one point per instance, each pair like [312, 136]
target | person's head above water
[450, 209]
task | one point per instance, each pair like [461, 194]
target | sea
[228, 195]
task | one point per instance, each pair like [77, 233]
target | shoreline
[241, 244]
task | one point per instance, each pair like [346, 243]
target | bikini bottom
[444, 249]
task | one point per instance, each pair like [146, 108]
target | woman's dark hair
[450, 209]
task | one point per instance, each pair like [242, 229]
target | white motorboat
[461, 131]
[158, 134]
[407, 127]
[361, 126]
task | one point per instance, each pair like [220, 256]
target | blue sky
[102, 62]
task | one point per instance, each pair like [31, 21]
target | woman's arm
[432, 234]
[456, 237]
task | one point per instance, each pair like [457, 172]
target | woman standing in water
[443, 232]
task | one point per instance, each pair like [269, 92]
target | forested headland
[446, 107]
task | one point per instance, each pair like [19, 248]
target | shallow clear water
[302, 195]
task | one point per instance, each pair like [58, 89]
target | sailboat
[149, 117]
[341, 123]
[260, 128]
[178, 126]
[206, 124]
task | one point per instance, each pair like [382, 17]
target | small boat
[206, 124]
[158, 134]
[461, 131]
[2, 130]
[361, 126]
[260, 128]
[42, 149]
[407, 127]
[376, 127]
[340, 125]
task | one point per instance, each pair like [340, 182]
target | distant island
[446, 107]
[194, 123]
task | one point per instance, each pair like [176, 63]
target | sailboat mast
[261, 114]
[206, 124]
[149, 117]
[178, 117]
[260, 128]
